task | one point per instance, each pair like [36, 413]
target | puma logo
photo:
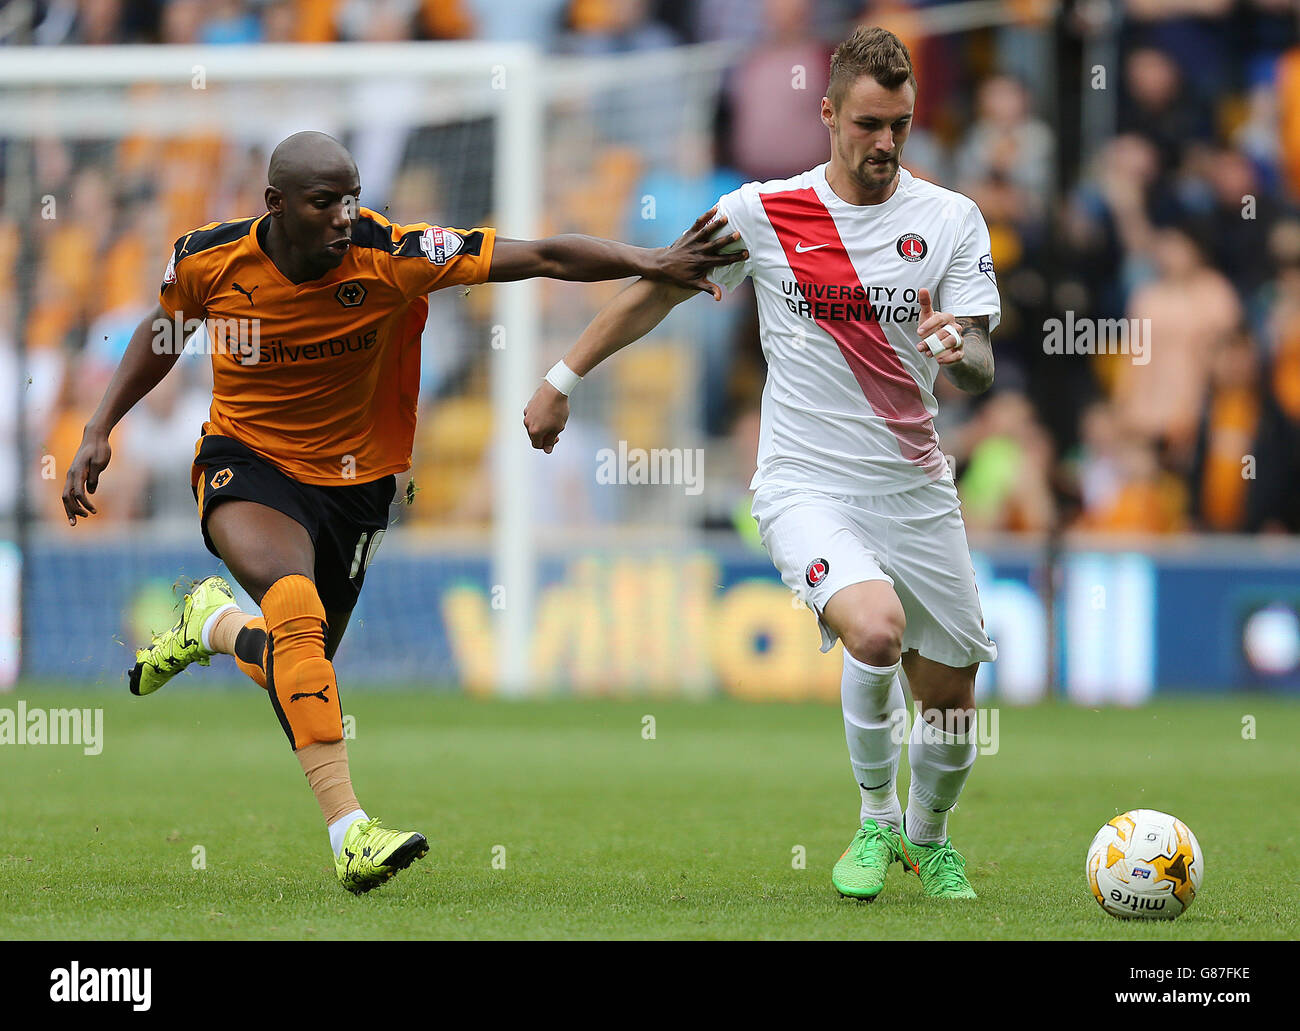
[310, 694]
[246, 293]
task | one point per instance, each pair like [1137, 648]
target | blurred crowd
[1182, 222]
[1147, 171]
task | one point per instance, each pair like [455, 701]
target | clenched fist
[545, 416]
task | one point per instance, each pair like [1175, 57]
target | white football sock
[940, 764]
[874, 717]
[339, 828]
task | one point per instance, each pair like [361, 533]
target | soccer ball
[1145, 865]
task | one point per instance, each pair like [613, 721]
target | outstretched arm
[628, 317]
[152, 352]
[586, 259]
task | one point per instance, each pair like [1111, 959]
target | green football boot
[172, 650]
[371, 855]
[860, 872]
[942, 868]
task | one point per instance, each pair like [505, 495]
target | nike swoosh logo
[799, 248]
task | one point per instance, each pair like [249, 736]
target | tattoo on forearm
[974, 373]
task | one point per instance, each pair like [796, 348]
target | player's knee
[874, 640]
[953, 696]
[258, 582]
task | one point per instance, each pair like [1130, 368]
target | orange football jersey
[321, 378]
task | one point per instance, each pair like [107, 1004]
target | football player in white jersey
[868, 281]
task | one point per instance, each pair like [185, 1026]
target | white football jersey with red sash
[849, 404]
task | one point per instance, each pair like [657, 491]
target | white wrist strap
[936, 343]
[562, 378]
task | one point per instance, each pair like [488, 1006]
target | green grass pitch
[599, 832]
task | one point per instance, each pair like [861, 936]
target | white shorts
[914, 540]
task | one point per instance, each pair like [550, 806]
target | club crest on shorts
[911, 247]
[817, 571]
[221, 478]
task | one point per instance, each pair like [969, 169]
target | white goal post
[61, 91]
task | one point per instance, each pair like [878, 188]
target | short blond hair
[869, 51]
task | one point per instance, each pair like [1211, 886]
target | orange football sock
[249, 650]
[300, 680]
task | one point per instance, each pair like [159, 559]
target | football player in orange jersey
[314, 313]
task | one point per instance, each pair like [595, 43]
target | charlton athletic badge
[817, 571]
[911, 247]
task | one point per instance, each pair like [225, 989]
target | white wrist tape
[562, 378]
[936, 343]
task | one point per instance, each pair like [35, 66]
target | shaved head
[305, 157]
[313, 197]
